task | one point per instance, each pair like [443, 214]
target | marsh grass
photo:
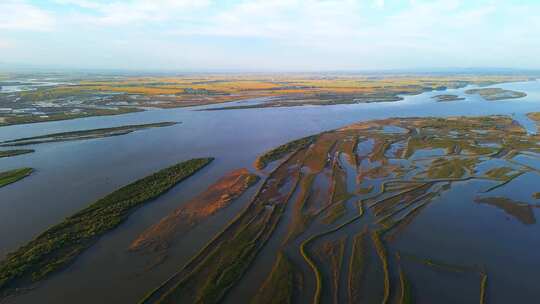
[61, 244]
[12, 176]
[334, 213]
[381, 252]
[357, 265]
[277, 153]
[10, 153]
[85, 134]
[279, 285]
[451, 168]
[405, 296]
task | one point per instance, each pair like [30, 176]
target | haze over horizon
[269, 35]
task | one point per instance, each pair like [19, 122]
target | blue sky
[270, 35]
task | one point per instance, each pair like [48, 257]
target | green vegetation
[85, 134]
[61, 244]
[381, 252]
[494, 94]
[406, 294]
[159, 237]
[232, 259]
[214, 270]
[483, 287]
[447, 97]
[10, 153]
[277, 153]
[330, 256]
[536, 195]
[365, 190]
[334, 213]
[500, 173]
[451, 168]
[340, 192]
[357, 264]
[317, 155]
[278, 287]
[505, 181]
[416, 143]
[311, 263]
[316, 173]
[523, 212]
[9, 177]
[301, 218]
[26, 119]
[97, 96]
[534, 116]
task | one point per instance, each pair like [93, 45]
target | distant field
[98, 96]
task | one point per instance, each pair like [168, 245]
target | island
[447, 97]
[82, 135]
[12, 176]
[58, 246]
[11, 153]
[494, 94]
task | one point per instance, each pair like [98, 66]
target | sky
[270, 35]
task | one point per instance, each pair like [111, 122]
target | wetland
[376, 202]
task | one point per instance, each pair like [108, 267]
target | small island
[85, 134]
[60, 245]
[494, 94]
[447, 97]
[12, 176]
[10, 153]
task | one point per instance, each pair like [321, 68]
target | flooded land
[307, 189]
[51, 97]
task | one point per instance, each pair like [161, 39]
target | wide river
[71, 175]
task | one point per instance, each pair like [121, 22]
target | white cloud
[283, 33]
[114, 13]
[19, 15]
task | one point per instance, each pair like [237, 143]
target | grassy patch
[11, 176]
[277, 153]
[216, 268]
[334, 213]
[483, 287]
[10, 153]
[500, 173]
[59, 245]
[381, 252]
[85, 134]
[447, 98]
[523, 212]
[278, 287]
[365, 190]
[406, 294]
[26, 119]
[357, 264]
[493, 94]
[451, 168]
